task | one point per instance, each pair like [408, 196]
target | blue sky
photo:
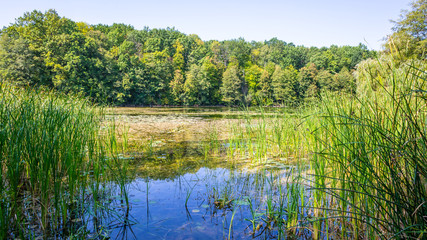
[303, 22]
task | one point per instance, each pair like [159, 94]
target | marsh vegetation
[59, 169]
[350, 167]
[307, 143]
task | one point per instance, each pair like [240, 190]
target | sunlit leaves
[121, 65]
[409, 39]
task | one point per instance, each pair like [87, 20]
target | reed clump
[371, 166]
[281, 136]
[366, 154]
[52, 162]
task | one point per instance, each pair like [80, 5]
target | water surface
[179, 190]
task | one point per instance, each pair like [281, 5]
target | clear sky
[303, 22]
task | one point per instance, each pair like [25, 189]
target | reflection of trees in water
[172, 161]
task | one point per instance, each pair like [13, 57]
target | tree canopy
[409, 37]
[121, 65]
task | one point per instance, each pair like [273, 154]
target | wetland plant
[372, 169]
[52, 163]
[365, 154]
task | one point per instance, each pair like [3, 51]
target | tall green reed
[366, 155]
[51, 153]
[373, 165]
[367, 176]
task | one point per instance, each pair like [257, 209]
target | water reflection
[179, 190]
[200, 205]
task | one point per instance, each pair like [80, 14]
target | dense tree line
[121, 65]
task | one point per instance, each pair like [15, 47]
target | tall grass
[367, 155]
[273, 136]
[374, 156]
[52, 162]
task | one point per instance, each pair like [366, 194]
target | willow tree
[409, 37]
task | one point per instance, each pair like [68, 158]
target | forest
[120, 65]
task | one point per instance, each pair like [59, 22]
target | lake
[183, 184]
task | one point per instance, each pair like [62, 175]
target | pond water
[179, 190]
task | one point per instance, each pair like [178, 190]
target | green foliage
[178, 58]
[231, 89]
[120, 65]
[375, 147]
[336, 58]
[158, 74]
[211, 76]
[326, 81]
[345, 82]
[264, 94]
[409, 39]
[192, 86]
[284, 83]
[368, 175]
[176, 87]
[342, 82]
[252, 77]
[17, 61]
[307, 83]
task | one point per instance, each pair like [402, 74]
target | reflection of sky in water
[161, 214]
[166, 217]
